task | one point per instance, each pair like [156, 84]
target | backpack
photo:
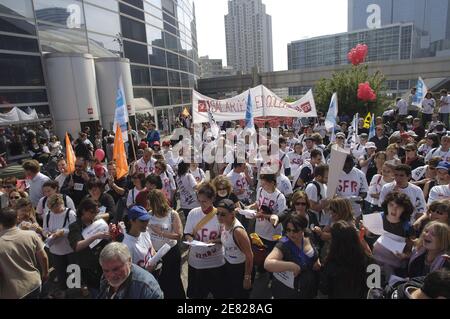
[66, 218]
[319, 195]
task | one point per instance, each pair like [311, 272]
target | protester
[186, 188]
[36, 180]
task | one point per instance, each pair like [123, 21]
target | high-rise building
[157, 36]
[430, 18]
[211, 68]
[248, 32]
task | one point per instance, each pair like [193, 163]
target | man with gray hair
[123, 280]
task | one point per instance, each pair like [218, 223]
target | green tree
[345, 83]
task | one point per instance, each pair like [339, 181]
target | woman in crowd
[15, 195]
[168, 182]
[26, 215]
[56, 229]
[139, 186]
[385, 176]
[224, 190]
[206, 272]
[87, 256]
[437, 211]
[344, 274]
[238, 252]
[397, 208]
[392, 154]
[432, 250]
[165, 228]
[301, 205]
[186, 187]
[197, 172]
[431, 142]
[50, 188]
[440, 177]
[294, 253]
[105, 202]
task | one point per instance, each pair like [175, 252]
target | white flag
[121, 114]
[330, 121]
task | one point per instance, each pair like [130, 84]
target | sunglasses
[16, 197]
[300, 204]
[290, 230]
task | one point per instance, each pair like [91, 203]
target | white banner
[265, 103]
[336, 164]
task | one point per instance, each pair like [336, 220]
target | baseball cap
[226, 204]
[443, 165]
[370, 145]
[138, 212]
[364, 135]
[340, 134]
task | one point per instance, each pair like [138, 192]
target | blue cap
[138, 212]
[443, 165]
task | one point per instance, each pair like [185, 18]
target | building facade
[431, 20]
[211, 68]
[157, 36]
[248, 31]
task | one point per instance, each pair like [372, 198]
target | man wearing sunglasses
[441, 191]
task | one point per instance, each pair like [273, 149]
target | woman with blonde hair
[26, 215]
[431, 252]
[165, 228]
[392, 154]
[224, 190]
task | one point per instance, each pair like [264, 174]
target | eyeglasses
[16, 197]
[300, 204]
[289, 230]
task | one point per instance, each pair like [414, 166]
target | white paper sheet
[159, 254]
[393, 243]
[95, 228]
[374, 223]
[286, 277]
[248, 213]
[196, 243]
[337, 161]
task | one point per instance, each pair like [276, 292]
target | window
[173, 61]
[131, 11]
[157, 57]
[20, 70]
[140, 75]
[161, 97]
[22, 96]
[68, 13]
[133, 29]
[183, 64]
[170, 28]
[159, 77]
[174, 79]
[156, 3]
[168, 6]
[104, 46]
[59, 39]
[136, 3]
[135, 52]
[187, 96]
[17, 26]
[154, 36]
[169, 19]
[171, 42]
[109, 4]
[21, 8]
[175, 96]
[143, 93]
[102, 21]
[154, 20]
[184, 79]
[18, 44]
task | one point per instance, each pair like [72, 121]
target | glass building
[431, 20]
[157, 36]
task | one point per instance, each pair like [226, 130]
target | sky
[291, 20]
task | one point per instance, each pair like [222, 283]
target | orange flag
[119, 155]
[70, 156]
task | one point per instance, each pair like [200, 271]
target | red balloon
[99, 154]
[358, 54]
[366, 93]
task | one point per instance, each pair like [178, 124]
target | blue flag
[121, 113]
[420, 92]
[249, 123]
[372, 127]
[330, 120]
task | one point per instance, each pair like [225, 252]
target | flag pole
[132, 146]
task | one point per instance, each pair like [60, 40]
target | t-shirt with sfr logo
[204, 257]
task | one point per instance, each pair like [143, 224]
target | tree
[345, 83]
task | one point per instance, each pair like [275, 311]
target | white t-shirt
[402, 106]
[277, 203]
[168, 183]
[232, 252]
[351, 185]
[439, 193]
[311, 191]
[165, 224]
[284, 185]
[292, 141]
[424, 149]
[445, 155]
[286, 163]
[204, 257]
[131, 198]
[188, 197]
[42, 211]
[376, 184]
[321, 129]
[296, 161]
[419, 173]
[146, 168]
[239, 183]
[428, 106]
[358, 150]
[140, 248]
[198, 174]
[61, 246]
[414, 193]
[60, 179]
[445, 105]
